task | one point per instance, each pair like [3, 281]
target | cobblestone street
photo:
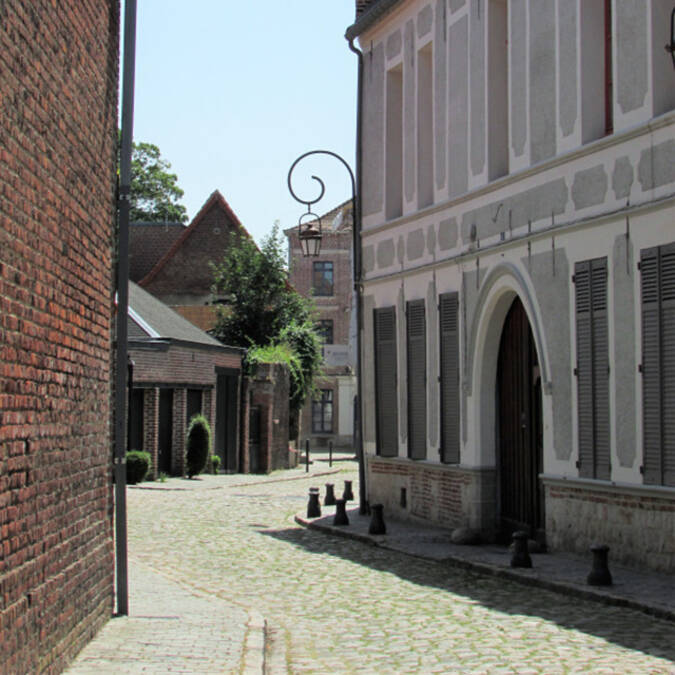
[335, 605]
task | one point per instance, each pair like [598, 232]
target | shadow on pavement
[621, 626]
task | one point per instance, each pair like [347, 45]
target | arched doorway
[519, 427]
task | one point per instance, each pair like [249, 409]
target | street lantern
[310, 236]
[310, 240]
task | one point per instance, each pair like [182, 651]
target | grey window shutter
[590, 278]
[417, 379]
[600, 368]
[657, 267]
[449, 349]
[386, 406]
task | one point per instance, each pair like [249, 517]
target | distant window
[322, 280]
[325, 329]
[322, 413]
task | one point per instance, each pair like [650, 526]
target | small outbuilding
[177, 371]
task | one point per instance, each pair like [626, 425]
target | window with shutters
[386, 402]
[417, 379]
[590, 280]
[449, 349]
[657, 272]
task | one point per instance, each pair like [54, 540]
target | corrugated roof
[156, 320]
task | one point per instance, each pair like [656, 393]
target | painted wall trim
[592, 148]
[545, 232]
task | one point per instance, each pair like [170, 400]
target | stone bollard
[599, 574]
[377, 525]
[348, 495]
[313, 505]
[340, 513]
[521, 556]
[329, 499]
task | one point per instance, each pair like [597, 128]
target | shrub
[215, 463]
[138, 465]
[198, 445]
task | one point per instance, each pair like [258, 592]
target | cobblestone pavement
[335, 605]
[224, 556]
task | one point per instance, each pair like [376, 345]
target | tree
[155, 193]
[265, 314]
[260, 301]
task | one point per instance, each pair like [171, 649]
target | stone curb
[574, 590]
[253, 656]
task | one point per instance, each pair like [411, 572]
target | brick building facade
[178, 370]
[58, 133]
[328, 280]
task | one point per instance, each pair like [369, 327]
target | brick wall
[449, 496]
[58, 127]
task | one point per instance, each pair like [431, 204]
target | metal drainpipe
[356, 211]
[123, 206]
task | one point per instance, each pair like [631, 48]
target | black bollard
[340, 513]
[599, 574]
[521, 556]
[377, 525]
[313, 505]
[348, 495]
[329, 499]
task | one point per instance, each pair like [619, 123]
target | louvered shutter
[590, 278]
[657, 267]
[449, 348]
[602, 454]
[386, 406]
[668, 360]
[417, 379]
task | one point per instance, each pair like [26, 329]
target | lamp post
[310, 240]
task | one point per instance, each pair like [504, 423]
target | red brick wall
[188, 271]
[180, 365]
[58, 127]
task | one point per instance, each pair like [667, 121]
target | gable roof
[148, 243]
[215, 199]
[150, 318]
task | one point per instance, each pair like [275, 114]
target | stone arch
[502, 285]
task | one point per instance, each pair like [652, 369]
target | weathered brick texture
[58, 126]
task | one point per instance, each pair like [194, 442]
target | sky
[233, 92]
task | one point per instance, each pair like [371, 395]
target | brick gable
[185, 268]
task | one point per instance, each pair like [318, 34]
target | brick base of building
[637, 523]
[448, 496]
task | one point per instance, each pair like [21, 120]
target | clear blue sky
[233, 91]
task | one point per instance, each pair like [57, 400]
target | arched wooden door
[519, 427]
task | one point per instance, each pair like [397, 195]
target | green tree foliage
[260, 301]
[198, 444]
[265, 313]
[155, 194]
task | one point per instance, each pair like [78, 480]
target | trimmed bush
[198, 445]
[138, 465]
[215, 463]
